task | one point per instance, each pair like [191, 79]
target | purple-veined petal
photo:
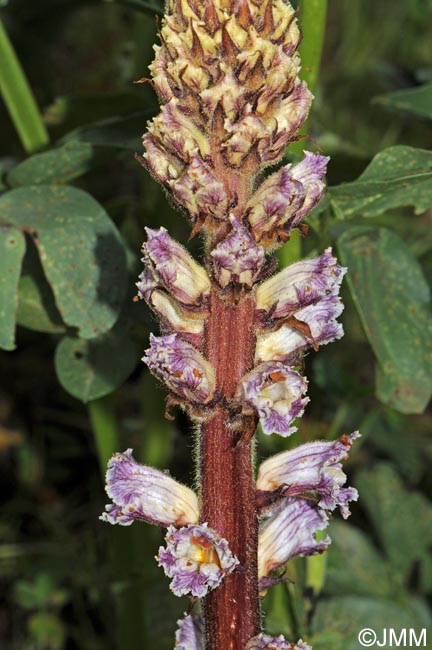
[174, 268]
[143, 493]
[237, 258]
[299, 285]
[199, 191]
[275, 391]
[182, 367]
[286, 342]
[196, 558]
[285, 197]
[178, 132]
[310, 172]
[190, 633]
[266, 642]
[289, 530]
[314, 467]
[174, 318]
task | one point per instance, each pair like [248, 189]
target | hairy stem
[231, 612]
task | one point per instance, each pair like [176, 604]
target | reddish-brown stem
[231, 612]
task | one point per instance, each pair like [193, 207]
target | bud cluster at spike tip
[227, 76]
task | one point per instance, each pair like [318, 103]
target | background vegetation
[73, 389]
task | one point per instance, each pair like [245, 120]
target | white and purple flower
[237, 258]
[285, 197]
[146, 494]
[314, 468]
[190, 633]
[314, 325]
[182, 367]
[276, 392]
[304, 283]
[287, 530]
[267, 642]
[168, 264]
[196, 558]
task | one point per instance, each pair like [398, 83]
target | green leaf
[338, 621]
[396, 177]
[47, 631]
[72, 111]
[151, 8]
[91, 369]
[36, 307]
[391, 296]
[119, 132]
[80, 250]
[58, 165]
[401, 518]
[354, 565]
[415, 101]
[12, 248]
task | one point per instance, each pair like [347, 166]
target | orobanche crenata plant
[233, 334]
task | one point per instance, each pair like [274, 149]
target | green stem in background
[312, 19]
[19, 99]
[129, 597]
[315, 575]
[104, 427]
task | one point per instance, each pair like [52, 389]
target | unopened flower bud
[196, 558]
[284, 198]
[175, 268]
[287, 531]
[275, 391]
[146, 494]
[199, 191]
[182, 367]
[237, 258]
[311, 468]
